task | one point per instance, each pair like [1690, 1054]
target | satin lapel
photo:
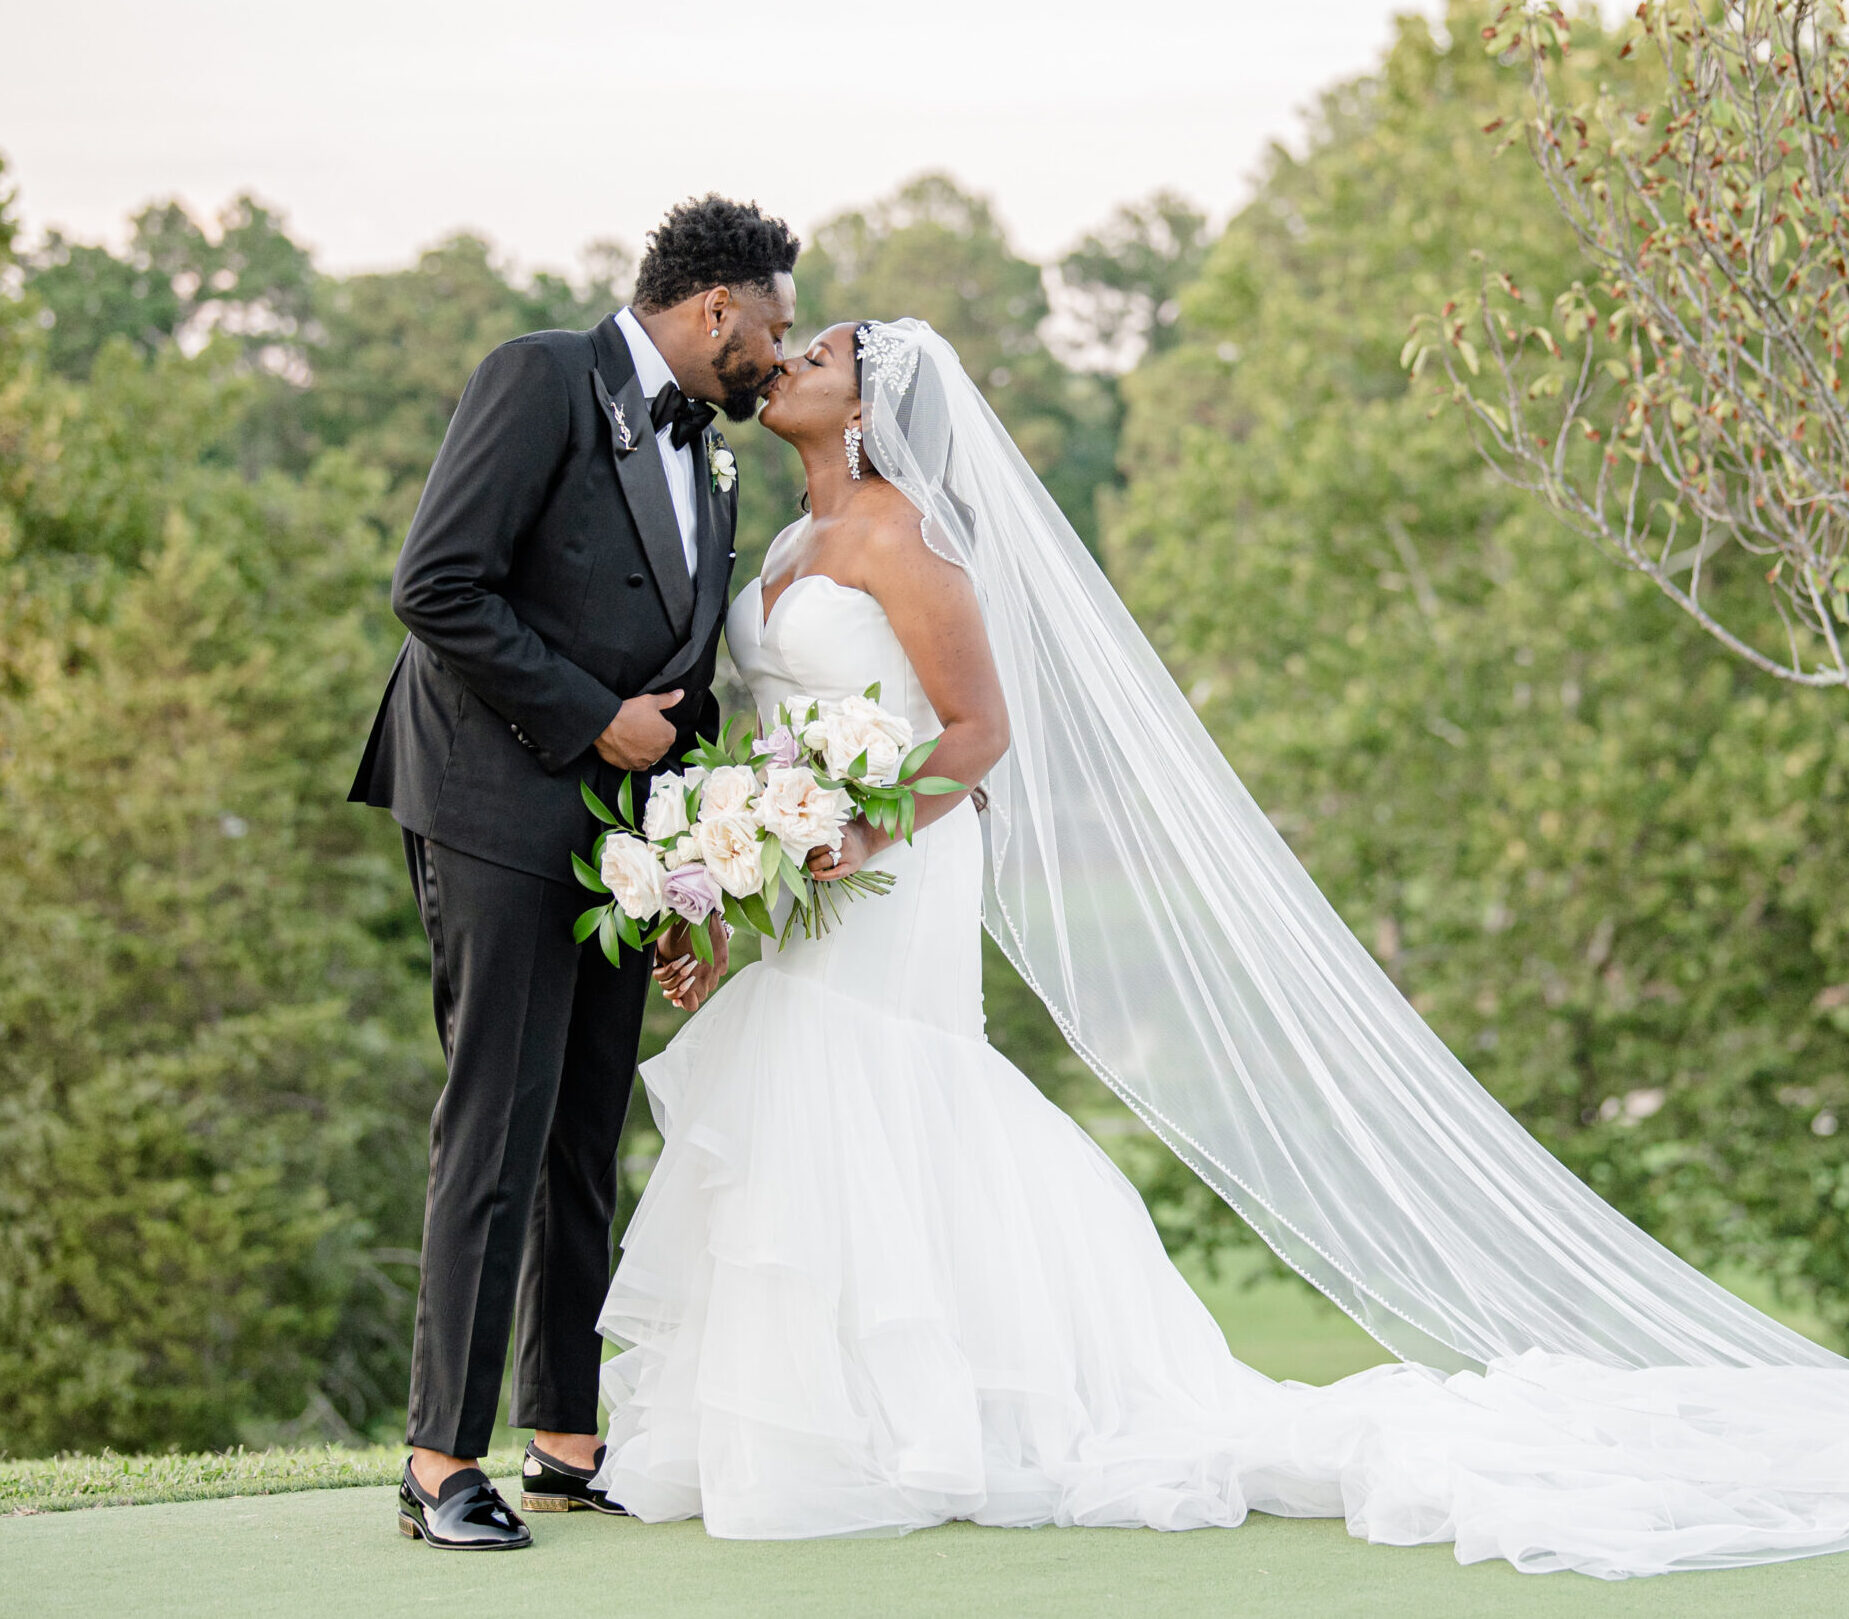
[639, 471]
[709, 531]
[712, 516]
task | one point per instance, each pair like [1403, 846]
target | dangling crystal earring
[851, 437]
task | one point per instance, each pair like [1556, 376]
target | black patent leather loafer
[466, 1515]
[550, 1485]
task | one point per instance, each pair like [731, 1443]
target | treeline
[1604, 860]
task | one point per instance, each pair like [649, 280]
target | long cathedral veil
[1192, 963]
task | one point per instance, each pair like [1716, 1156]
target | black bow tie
[689, 419]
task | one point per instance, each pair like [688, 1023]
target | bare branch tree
[1683, 407]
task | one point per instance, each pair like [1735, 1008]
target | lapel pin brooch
[625, 440]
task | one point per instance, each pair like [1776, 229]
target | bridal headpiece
[888, 355]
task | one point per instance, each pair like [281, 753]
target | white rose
[633, 876]
[684, 853]
[727, 791]
[666, 814]
[801, 813]
[729, 846]
[794, 711]
[858, 725]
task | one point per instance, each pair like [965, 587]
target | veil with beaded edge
[1192, 963]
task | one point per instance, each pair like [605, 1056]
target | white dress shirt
[651, 373]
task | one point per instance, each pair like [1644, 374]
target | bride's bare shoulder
[891, 535]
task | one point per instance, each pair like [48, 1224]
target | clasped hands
[687, 981]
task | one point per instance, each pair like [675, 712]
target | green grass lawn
[334, 1552]
[286, 1538]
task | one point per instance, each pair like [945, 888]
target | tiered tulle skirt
[878, 1282]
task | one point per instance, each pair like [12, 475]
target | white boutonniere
[721, 463]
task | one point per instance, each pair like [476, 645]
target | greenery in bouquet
[733, 830]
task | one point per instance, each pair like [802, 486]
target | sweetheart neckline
[765, 616]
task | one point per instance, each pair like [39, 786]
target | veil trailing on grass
[1190, 960]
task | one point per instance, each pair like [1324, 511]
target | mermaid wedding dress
[877, 1281]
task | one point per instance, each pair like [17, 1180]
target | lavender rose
[692, 893]
[784, 749]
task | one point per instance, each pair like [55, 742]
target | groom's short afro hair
[713, 242]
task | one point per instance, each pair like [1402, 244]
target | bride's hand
[685, 979]
[859, 844]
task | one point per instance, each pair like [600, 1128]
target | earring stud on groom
[564, 583]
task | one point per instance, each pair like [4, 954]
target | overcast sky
[379, 126]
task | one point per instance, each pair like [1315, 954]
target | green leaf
[702, 944]
[607, 938]
[770, 857]
[915, 760]
[757, 912]
[587, 874]
[731, 909]
[872, 693]
[859, 766]
[595, 804]
[937, 784]
[908, 818]
[586, 924]
[626, 802]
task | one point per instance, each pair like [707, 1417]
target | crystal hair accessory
[887, 354]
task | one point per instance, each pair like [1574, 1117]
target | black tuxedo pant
[540, 1037]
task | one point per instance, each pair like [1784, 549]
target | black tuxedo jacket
[543, 582]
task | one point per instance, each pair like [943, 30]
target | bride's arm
[932, 607]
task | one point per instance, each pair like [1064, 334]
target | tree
[1685, 410]
[1127, 278]
[179, 283]
[214, 1068]
[1600, 855]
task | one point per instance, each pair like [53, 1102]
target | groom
[564, 582]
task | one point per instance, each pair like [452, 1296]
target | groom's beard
[744, 385]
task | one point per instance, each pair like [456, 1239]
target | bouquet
[733, 830]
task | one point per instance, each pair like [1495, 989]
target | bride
[878, 1282]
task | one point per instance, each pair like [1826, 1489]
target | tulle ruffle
[878, 1282]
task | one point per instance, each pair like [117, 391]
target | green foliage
[212, 1060]
[248, 280]
[1684, 411]
[1604, 860]
[1129, 276]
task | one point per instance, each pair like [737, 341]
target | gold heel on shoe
[408, 1527]
[545, 1503]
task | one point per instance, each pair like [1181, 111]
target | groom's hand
[641, 732]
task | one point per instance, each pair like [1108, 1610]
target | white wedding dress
[878, 1282]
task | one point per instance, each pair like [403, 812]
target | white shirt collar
[651, 370]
